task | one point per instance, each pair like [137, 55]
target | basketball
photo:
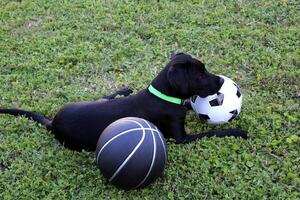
[131, 153]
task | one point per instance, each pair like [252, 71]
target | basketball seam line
[120, 134]
[130, 155]
[153, 157]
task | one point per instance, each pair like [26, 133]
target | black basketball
[131, 153]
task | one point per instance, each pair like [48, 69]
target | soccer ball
[221, 107]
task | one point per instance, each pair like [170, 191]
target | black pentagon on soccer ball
[193, 99]
[238, 92]
[203, 117]
[217, 101]
[234, 114]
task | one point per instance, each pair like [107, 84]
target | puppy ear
[177, 76]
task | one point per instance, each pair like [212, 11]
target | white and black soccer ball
[221, 107]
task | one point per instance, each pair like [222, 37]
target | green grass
[55, 52]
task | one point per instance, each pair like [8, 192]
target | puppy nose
[221, 81]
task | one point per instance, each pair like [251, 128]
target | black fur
[79, 125]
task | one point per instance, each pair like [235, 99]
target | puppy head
[188, 77]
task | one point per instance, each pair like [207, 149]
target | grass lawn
[54, 52]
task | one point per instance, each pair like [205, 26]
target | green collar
[165, 97]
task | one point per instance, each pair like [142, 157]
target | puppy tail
[30, 115]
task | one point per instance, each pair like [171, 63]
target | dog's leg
[178, 133]
[217, 133]
[122, 92]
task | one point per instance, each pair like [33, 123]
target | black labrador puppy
[78, 125]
